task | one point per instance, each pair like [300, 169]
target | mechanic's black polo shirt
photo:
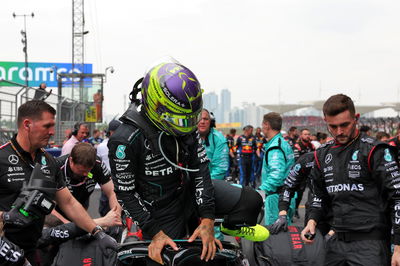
[82, 188]
[16, 166]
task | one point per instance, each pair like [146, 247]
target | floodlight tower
[24, 41]
[78, 41]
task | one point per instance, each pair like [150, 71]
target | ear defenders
[212, 119]
[76, 128]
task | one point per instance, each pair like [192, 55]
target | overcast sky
[263, 51]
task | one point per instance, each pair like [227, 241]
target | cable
[173, 164]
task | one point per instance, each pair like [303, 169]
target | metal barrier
[13, 94]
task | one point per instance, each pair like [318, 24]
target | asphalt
[94, 204]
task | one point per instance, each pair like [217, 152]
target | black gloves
[10, 253]
[15, 217]
[280, 224]
[107, 244]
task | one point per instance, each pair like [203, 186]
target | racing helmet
[172, 98]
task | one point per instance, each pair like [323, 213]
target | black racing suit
[48, 244]
[232, 161]
[16, 166]
[82, 187]
[260, 141]
[158, 195]
[360, 183]
[300, 148]
[150, 188]
[291, 141]
[298, 175]
[396, 143]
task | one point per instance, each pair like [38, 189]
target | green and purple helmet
[172, 98]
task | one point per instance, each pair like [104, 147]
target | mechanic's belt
[354, 236]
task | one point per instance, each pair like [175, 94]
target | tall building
[225, 105]
[253, 114]
[210, 102]
[236, 115]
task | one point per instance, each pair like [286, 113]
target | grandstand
[316, 123]
[362, 109]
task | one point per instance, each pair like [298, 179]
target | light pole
[111, 68]
[25, 43]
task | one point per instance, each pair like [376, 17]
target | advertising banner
[37, 72]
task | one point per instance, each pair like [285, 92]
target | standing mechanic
[358, 178]
[292, 136]
[36, 120]
[161, 169]
[246, 149]
[278, 159]
[302, 146]
[215, 144]
[82, 171]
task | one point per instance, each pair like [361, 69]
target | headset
[76, 128]
[212, 124]
[212, 119]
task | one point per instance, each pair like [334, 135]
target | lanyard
[20, 155]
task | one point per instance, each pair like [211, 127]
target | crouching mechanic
[36, 120]
[355, 177]
[161, 169]
[82, 171]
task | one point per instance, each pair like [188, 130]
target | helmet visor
[182, 120]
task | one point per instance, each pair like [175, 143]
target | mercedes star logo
[13, 159]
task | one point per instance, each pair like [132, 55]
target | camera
[35, 199]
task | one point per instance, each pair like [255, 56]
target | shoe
[296, 214]
[255, 233]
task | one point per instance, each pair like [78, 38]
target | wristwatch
[96, 230]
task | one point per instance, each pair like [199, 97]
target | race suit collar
[278, 135]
